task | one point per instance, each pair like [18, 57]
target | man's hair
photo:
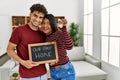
[38, 7]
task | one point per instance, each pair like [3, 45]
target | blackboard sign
[43, 52]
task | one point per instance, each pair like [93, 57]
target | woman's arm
[67, 40]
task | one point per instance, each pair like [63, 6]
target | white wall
[96, 28]
[5, 31]
[68, 8]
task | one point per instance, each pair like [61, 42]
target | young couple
[31, 33]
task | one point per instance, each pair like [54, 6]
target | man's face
[36, 18]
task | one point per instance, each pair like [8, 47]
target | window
[88, 26]
[110, 32]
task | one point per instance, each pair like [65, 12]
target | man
[19, 40]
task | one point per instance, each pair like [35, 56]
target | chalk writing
[43, 52]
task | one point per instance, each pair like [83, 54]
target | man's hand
[29, 64]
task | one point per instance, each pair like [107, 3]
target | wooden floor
[48, 78]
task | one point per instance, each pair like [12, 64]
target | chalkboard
[43, 52]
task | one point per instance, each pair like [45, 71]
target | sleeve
[15, 36]
[67, 40]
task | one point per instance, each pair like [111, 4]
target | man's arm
[11, 52]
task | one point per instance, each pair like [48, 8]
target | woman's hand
[64, 21]
[52, 63]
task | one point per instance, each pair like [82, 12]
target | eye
[35, 15]
[41, 17]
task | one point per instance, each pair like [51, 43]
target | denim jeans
[64, 72]
[43, 77]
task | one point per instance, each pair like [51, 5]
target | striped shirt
[64, 42]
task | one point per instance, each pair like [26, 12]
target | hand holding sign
[29, 64]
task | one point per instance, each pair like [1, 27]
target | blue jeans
[64, 72]
[43, 77]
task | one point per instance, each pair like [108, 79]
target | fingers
[29, 64]
[35, 63]
[64, 21]
[52, 63]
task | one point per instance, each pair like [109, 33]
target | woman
[63, 69]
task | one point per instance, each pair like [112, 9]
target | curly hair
[38, 7]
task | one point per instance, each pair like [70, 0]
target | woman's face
[46, 27]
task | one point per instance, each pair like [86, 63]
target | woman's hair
[51, 19]
[38, 7]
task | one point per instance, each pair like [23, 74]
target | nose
[46, 24]
[43, 25]
[37, 19]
